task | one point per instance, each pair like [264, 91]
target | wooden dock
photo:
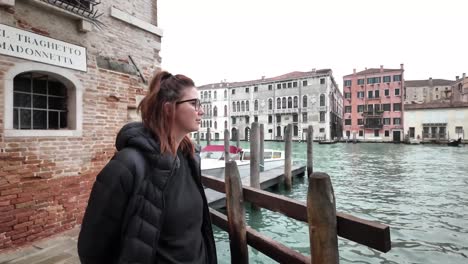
[268, 179]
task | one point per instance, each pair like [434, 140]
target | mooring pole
[287, 157]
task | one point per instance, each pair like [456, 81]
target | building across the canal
[69, 79]
[373, 109]
[297, 98]
[425, 91]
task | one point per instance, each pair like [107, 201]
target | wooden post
[208, 136]
[310, 157]
[226, 145]
[198, 137]
[254, 156]
[237, 139]
[354, 137]
[321, 215]
[287, 157]
[236, 216]
[262, 148]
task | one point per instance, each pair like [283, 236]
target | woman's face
[188, 112]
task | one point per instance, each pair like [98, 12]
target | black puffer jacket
[121, 224]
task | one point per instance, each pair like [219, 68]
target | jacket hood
[135, 135]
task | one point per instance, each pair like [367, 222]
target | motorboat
[414, 141]
[213, 162]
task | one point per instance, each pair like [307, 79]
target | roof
[372, 71]
[422, 83]
[436, 105]
[285, 77]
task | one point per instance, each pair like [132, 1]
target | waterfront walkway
[59, 249]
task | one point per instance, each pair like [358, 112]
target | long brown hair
[165, 88]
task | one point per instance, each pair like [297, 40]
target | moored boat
[454, 143]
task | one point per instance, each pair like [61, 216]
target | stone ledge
[120, 15]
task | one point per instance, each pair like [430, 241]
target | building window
[247, 105]
[278, 131]
[304, 83]
[238, 106]
[360, 81]
[295, 101]
[215, 111]
[283, 102]
[304, 101]
[289, 85]
[247, 119]
[360, 121]
[387, 79]
[370, 94]
[39, 102]
[234, 106]
[361, 133]
[270, 104]
[304, 117]
[386, 121]
[322, 80]
[295, 118]
[347, 83]
[294, 84]
[233, 120]
[278, 103]
[243, 106]
[211, 124]
[278, 119]
[360, 108]
[322, 130]
[387, 133]
[233, 91]
[396, 78]
[387, 92]
[347, 95]
[270, 87]
[255, 118]
[411, 132]
[278, 86]
[396, 121]
[270, 119]
[397, 107]
[255, 89]
[215, 95]
[284, 85]
[225, 125]
[322, 116]
[397, 92]
[247, 90]
[256, 105]
[376, 93]
[289, 102]
[347, 109]
[322, 100]
[215, 125]
[347, 122]
[458, 130]
[376, 133]
[225, 94]
[386, 107]
[295, 131]
[360, 94]
[225, 110]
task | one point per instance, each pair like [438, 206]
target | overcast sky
[212, 40]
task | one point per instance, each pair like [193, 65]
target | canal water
[420, 191]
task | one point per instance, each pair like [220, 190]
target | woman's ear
[168, 109]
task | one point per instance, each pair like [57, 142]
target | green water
[420, 191]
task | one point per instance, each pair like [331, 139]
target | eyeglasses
[194, 102]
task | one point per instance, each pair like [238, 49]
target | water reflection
[421, 191]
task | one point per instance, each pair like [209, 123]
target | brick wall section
[45, 181]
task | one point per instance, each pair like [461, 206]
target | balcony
[376, 113]
[373, 123]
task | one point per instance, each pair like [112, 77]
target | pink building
[373, 109]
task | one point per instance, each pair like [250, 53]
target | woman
[147, 204]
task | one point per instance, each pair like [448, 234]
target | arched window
[295, 101]
[233, 106]
[289, 102]
[225, 94]
[283, 102]
[296, 131]
[215, 125]
[225, 110]
[322, 100]
[270, 104]
[211, 124]
[278, 131]
[206, 95]
[247, 105]
[201, 95]
[238, 106]
[215, 111]
[209, 94]
[278, 103]
[214, 94]
[225, 124]
[256, 105]
[243, 106]
[304, 101]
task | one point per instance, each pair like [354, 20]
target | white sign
[26, 45]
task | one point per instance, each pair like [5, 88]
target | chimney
[464, 76]
[313, 70]
[402, 66]
[381, 68]
[354, 71]
[430, 81]
[263, 77]
[457, 77]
